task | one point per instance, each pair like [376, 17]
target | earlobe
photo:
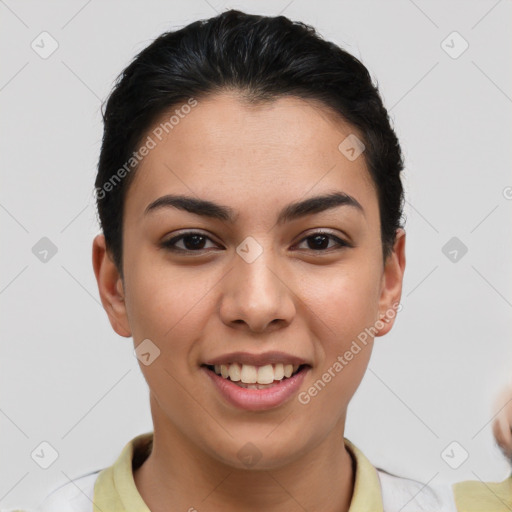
[391, 288]
[110, 287]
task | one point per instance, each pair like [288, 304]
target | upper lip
[273, 357]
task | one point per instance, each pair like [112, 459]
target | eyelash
[170, 244]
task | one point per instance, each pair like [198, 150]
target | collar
[115, 489]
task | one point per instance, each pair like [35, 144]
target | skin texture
[295, 298]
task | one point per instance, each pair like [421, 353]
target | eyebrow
[292, 211]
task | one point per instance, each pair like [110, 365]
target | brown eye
[320, 241]
[192, 242]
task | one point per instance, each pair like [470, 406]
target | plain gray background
[67, 379]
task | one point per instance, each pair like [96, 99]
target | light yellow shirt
[113, 489]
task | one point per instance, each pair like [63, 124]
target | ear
[110, 286]
[391, 286]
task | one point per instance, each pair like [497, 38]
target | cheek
[163, 301]
[344, 308]
[342, 311]
[172, 307]
[343, 300]
[167, 308]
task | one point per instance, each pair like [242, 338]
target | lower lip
[257, 399]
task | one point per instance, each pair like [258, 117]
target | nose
[257, 294]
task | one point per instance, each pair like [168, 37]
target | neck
[179, 476]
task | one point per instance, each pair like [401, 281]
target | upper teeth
[250, 374]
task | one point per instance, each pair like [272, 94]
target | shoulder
[479, 496]
[74, 496]
[401, 494]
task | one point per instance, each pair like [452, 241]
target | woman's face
[260, 283]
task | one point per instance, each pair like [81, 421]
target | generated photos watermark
[152, 140]
[304, 397]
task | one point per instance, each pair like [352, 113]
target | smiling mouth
[256, 377]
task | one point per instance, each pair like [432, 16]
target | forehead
[226, 148]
